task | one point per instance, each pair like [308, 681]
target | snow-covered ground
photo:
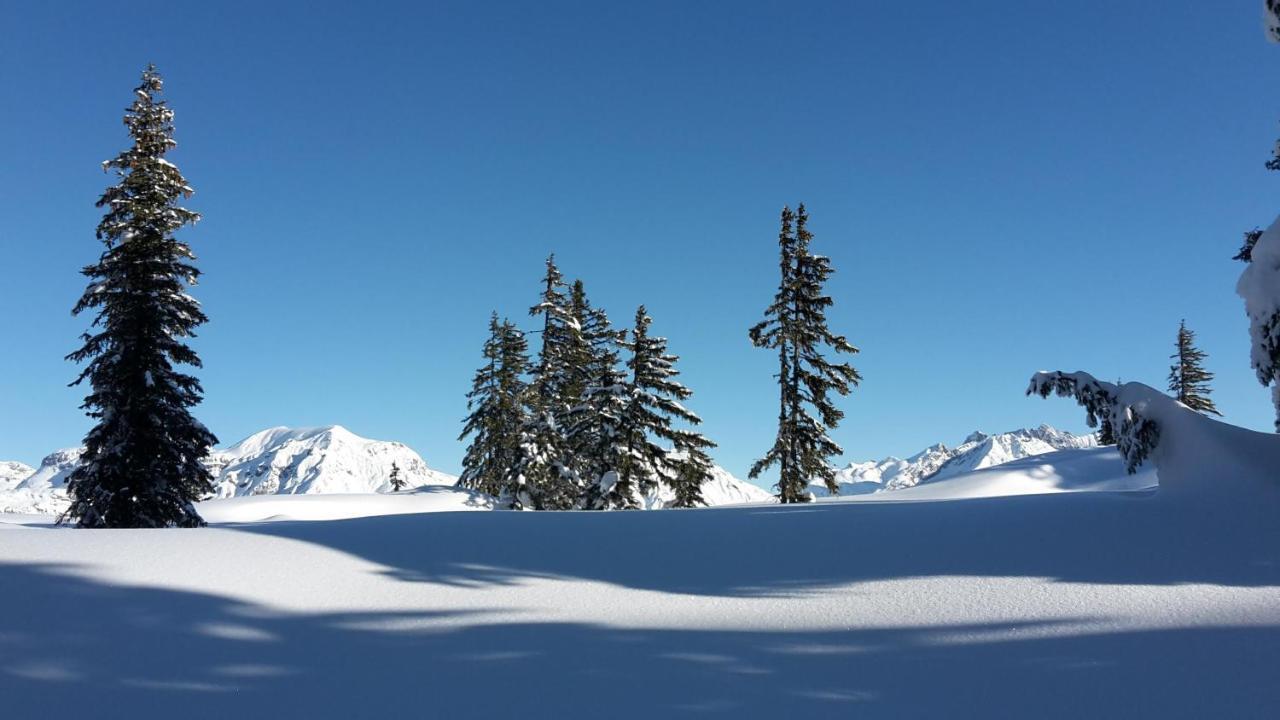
[1122, 603]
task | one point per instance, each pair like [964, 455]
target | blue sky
[1002, 188]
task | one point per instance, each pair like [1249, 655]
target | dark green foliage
[496, 405]
[141, 465]
[398, 483]
[1188, 380]
[795, 325]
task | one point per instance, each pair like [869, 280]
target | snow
[924, 602]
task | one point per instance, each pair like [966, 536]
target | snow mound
[979, 450]
[289, 461]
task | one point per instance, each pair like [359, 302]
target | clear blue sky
[1002, 188]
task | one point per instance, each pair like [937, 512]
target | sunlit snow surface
[1094, 596]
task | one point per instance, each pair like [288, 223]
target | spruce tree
[655, 404]
[543, 477]
[591, 390]
[141, 466]
[496, 405]
[1188, 380]
[397, 482]
[795, 325]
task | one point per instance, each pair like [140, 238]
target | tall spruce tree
[795, 325]
[1188, 380]
[141, 466]
[496, 405]
[543, 477]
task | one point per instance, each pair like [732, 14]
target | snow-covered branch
[1136, 434]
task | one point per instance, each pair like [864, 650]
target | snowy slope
[12, 473]
[978, 451]
[1160, 604]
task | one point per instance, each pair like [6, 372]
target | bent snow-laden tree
[795, 325]
[1259, 287]
[496, 405]
[141, 465]
[1188, 380]
[1135, 435]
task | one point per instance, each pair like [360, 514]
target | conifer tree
[1188, 380]
[141, 464]
[592, 392]
[543, 478]
[496, 405]
[795, 325]
[397, 482]
[655, 403]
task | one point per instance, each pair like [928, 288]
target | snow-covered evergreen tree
[655, 405]
[397, 481]
[795, 325]
[141, 464]
[496, 405]
[1271, 19]
[543, 478]
[593, 391]
[1259, 287]
[1188, 380]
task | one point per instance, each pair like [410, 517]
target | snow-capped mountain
[722, 489]
[280, 461]
[12, 473]
[295, 461]
[53, 471]
[979, 450]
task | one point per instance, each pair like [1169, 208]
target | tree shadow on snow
[74, 646]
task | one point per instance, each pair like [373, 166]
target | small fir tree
[795, 325]
[496, 405]
[398, 483]
[1188, 380]
[141, 466]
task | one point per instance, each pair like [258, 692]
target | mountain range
[334, 460]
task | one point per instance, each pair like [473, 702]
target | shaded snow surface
[1146, 604]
